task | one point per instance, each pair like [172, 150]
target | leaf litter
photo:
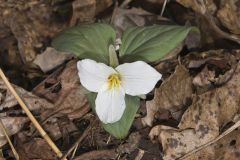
[199, 91]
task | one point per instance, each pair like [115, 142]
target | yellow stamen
[114, 80]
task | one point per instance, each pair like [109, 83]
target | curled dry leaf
[131, 144]
[125, 18]
[172, 95]
[37, 148]
[50, 59]
[12, 126]
[199, 6]
[34, 102]
[227, 14]
[86, 10]
[30, 23]
[203, 120]
[218, 68]
[63, 89]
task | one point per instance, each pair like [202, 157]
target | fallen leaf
[63, 89]
[33, 102]
[225, 148]
[228, 14]
[218, 67]
[31, 24]
[179, 83]
[199, 6]
[51, 59]
[86, 10]
[37, 148]
[12, 126]
[203, 120]
[125, 18]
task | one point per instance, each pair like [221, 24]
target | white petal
[110, 105]
[93, 75]
[138, 78]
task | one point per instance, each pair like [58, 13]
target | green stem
[113, 59]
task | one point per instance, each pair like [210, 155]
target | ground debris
[63, 89]
[179, 83]
[202, 121]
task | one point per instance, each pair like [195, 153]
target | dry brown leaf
[86, 10]
[203, 120]
[199, 6]
[37, 148]
[218, 67]
[34, 102]
[172, 95]
[50, 59]
[225, 148]
[229, 15]
[12, 125]
[64, 90]
[125, 18]
[31, 24]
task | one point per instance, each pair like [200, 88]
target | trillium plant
[112, 84]
[115, 88]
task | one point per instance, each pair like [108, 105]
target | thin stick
[79, 140]
[74, 151]
[30, 116]
[8, 139]
[139, 155]
[163, 7]
[229, 130]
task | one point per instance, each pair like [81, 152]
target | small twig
[74, 151]
[163, 7]
[109, 139]
[79, 140]
[229, 130]
[8, 139]
[30, 116]
[139, 155]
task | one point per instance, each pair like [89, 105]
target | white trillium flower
[111, 84]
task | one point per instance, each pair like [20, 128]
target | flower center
[114, 80]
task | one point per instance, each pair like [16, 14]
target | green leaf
[120, 129]
[87, 41]
[151, 43]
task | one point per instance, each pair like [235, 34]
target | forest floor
[192, 114]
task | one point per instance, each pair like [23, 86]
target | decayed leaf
[225, 148]
[228, 14]
[218, 67]
[34, 102]
[63, 89]
[125, 18]
[203, 120]
[50, 59]
[30, 23]
[37, 148]
[12, 125]
[172, 95]
[199, 6]
[85, 10]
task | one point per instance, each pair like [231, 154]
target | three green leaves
[147, 44]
